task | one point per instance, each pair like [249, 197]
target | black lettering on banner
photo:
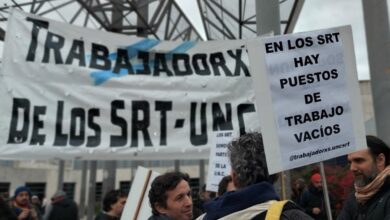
[140, 124]
[94, 141]
[122, 62]
[218, 61]
[241, 110]
[55, 45]
[37, 138]
[239, 64]
[76, 52]
[60, 139]
[160, 65]
[144, 57]
[219, 122]
[19, 136]
[198, 139]
[202, 58]
[118, 140]
[100, 53]
[163, 107]
[37, 25]
[77, 133]
[185, 58]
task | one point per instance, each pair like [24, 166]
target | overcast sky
[317, 14]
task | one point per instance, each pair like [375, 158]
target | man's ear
[234, 178]
[380, 162]
[160, 209]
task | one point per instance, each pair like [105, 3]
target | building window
[125, 186]
[69, 189]
[4, 189]
[37, 189]
[98, 191]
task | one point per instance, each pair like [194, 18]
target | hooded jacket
[246, 203]
[63, 209]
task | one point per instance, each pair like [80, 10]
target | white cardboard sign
[307, 87]
[219, 164]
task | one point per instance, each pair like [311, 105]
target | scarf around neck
[363, 194]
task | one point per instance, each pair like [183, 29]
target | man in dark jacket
[113, 203]
[371, 169]
[62, 208]
[313, 198]
[254, 190]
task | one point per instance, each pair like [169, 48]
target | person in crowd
[254, 190]
[61, 208]
[204, 197]
[5, 211]
[297, 189]
[225, 185]
[113, 203]
[371, 170]
[36, 203]
[20, 204]
[170, 197]
[312, 199]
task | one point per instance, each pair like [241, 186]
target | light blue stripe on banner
[132, 51]
[183, 47]
[144, 45]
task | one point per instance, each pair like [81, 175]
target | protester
[297, 189]
[313, 200]
[20, 204]
[61, 208]
[371, 169]
[36, 203]
[170, 197]
[255, 191]
[113, 203]
[225, 185]
[5, 211]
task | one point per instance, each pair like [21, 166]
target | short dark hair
[160, 186]
[222, 186]
[377, 146]
[247, 159]
[111, 198]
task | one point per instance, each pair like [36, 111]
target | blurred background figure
[204, 197]
[20, 204]
[226, 185]
[36, 203]
[312, 199]
[61, 208]
[113, 203]
[297, 189]
[5, 211]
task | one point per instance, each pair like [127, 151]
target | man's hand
[34, 214]
[23, 214]
[316, 211]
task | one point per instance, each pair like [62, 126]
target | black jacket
[311, 198]
[65, 209]
[378, 207]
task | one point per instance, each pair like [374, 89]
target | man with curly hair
[170, 197]
[254, 190]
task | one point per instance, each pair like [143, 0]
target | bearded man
[371, 169]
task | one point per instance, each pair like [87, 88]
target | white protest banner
[219, 164]
[73, 93]
[137, 204]
[307, 87]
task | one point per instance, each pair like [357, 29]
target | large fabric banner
[73, 93]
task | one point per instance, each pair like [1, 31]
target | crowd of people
[248, 193]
